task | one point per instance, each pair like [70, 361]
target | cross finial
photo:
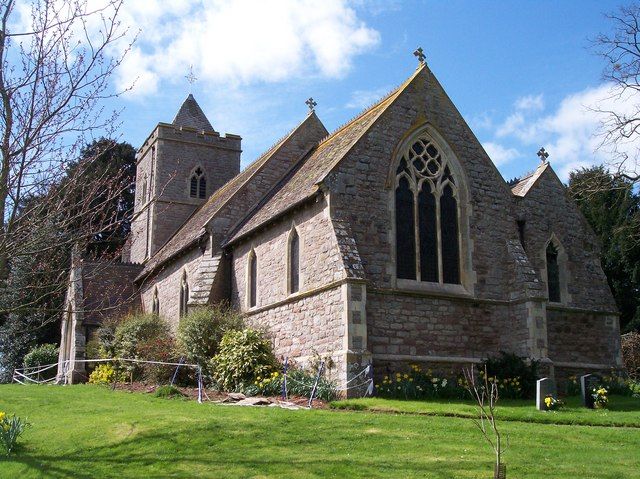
[542, 153]
[311, 104]
[419, 53]
[191, 78]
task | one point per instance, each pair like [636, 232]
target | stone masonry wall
[168, 282]
[320, 260]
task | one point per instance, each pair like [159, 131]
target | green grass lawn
[623, 411]
[91, 432]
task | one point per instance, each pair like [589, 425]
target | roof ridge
[370, 108]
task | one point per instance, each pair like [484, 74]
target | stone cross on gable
[191, 78]
[419, 53]
[311, 104]
[542, 153]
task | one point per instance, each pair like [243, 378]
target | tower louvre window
[198, 184]
[426, 209]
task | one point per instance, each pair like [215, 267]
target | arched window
[155, 306]
[426, 209]
[553, 273]
[184, 295]
[252, 282]
[198, 184]
[294, 262]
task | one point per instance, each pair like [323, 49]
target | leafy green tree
[612, 208]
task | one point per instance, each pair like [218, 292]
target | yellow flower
[410, 380]
[547, 401]
[406, 376]
[2, 416]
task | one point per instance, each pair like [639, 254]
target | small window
[253, 279]
[198, 184]
[155, 307]
[521, 225]
[553, 274]
[184, 296]
[294, 262]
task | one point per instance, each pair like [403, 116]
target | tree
[621, 126]
[612, 208]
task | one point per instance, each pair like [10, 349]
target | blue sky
[521, 73]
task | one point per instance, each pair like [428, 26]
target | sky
[522, 73]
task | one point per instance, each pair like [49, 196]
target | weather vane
[542, 153]
[311, 104]
[419, 53]
[191, 78]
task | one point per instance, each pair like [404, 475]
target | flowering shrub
[419, 384]
[105, 374]
[600, 398]
[11, 428]
[552, 403]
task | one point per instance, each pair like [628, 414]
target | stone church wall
[168, 282]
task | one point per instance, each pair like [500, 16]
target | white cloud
[242, 42]
[500, 154]
[530, 102]
[364, 98]
[572, 134]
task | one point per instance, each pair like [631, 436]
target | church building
[392, 240]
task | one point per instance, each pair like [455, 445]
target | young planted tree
[484, 392]
[56, 61]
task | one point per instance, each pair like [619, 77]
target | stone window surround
[192, 173]
[467, 274]
[155, 302]
[289, 291]
[563, 269]
[251, 256]
[184, 295]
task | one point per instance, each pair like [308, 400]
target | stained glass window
[426, 193]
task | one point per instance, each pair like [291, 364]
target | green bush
[159, 348]
[168, 392]
[11, 428]
[106, 373]
[200, 333]
[42, 355]
[244, 356]
[515, 377]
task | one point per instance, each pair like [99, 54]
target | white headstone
[544, 387]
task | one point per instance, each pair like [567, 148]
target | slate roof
[523, 186]
[108, 290]
[194, 228]
[191, 115]
[304, 182]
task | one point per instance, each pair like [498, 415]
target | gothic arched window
[184, 295]
[198, 184]
[252, 282]
[553, 273]
[294, 262]
[426, 209]
[155, 306]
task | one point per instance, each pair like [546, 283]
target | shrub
[631, 354]
[200, 333]
[168, 392]
[160, 348]
[132, 332]
[11, 428]
[104, 374]
[40, 356]
[516, 378]
[244, 356]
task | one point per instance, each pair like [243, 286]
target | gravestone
[544, 387]
[587, 383]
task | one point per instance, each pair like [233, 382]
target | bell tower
[178, 167]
